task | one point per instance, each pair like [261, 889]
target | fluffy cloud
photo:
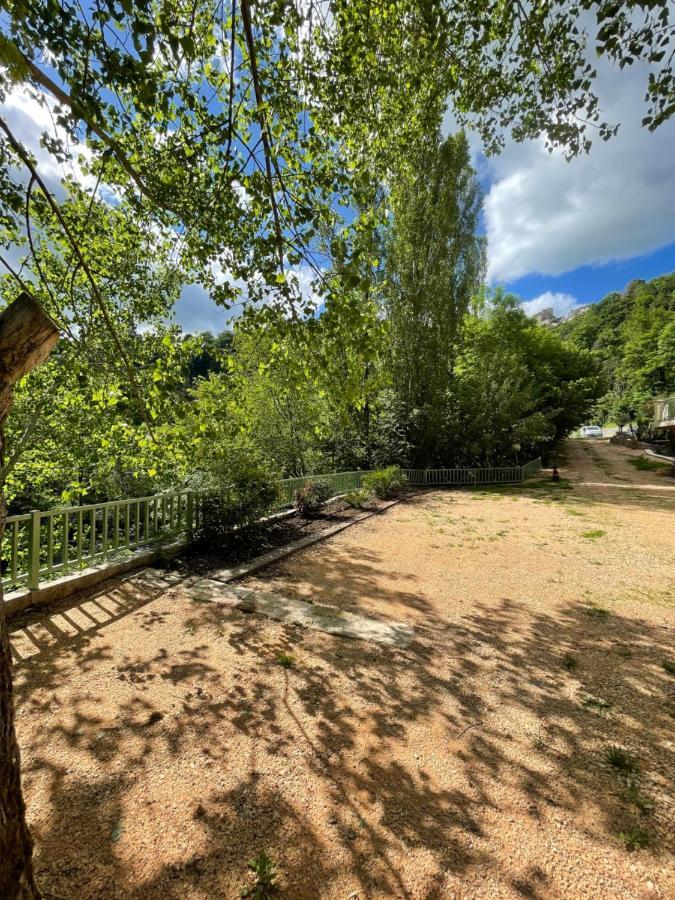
[29, 120]
[561, 304]
[546, 215]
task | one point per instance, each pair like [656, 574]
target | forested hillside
[632, 335]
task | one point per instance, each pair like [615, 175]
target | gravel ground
[164, 745]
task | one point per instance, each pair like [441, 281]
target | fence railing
[340, 483]
[40, 545]
[43, 544]
[500, 475]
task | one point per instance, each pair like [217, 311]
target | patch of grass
[625, 651]
[591, 702]
[669, 666]
[570, 662]
[574, 512]
[265, 873]
[285, 660]
[642, 464]
[596, 612]
[620, 760]
[593, 534]
[634, 838]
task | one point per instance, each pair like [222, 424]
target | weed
[385, 483]
[265, 876]
[625, 651]
[669, 666]
[285, 660]
[619, 759]
[591, 702]
[596, 612]
[570, 662]
[634, 838]
[594, 534]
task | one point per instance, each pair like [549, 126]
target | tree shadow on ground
[359, 760]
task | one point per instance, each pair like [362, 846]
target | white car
[591, 431]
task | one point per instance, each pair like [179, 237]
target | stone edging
[272, 556]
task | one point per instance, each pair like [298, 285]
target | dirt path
[164, 745]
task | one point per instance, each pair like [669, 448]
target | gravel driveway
[522, 746]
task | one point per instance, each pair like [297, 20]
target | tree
[26, 337]
[514, 381]
[434, 266]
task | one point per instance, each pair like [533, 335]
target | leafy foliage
[632, 335]
[237, 494]
[357, 499]
[434, 267]
[385, 483]
[311, 498]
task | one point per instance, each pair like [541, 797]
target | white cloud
[29, 120]
[561, 304]
[546, 215]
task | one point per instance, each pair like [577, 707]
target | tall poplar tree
[435, 264]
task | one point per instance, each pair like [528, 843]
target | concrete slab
[299, 612]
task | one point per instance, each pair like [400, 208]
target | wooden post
[27, 335]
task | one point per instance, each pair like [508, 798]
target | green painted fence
[340, 483]
[431, 477]
[41, 545]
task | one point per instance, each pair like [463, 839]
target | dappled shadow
[387, 772]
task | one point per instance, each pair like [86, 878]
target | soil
[164, 745]
[276, 532]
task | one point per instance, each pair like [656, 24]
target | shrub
[385, 483]
[312, 497]
[232, 497]
[357, 499]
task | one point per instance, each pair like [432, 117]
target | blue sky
[588, 284]
[566, 232]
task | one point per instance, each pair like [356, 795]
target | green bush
[385, 483]
[312, 497]
[234, 496]
[357, 499]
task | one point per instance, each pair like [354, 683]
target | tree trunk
[27, 335]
